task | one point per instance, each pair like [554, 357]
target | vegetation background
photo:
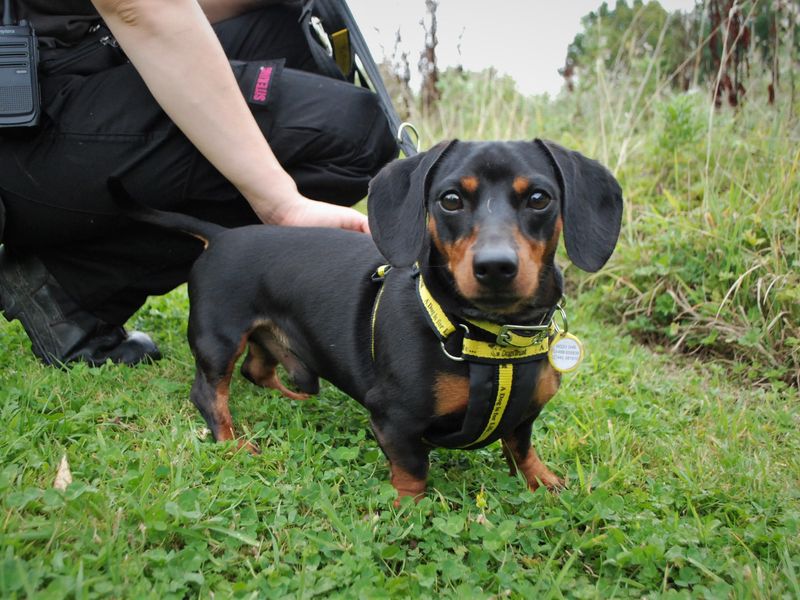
[678, 436]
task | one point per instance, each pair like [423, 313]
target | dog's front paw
[536, 473]
[550, 480]
[249, 446]
[407, 485]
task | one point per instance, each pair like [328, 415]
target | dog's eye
[538, 200]
[451, 201]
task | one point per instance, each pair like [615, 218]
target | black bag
[2, 219]
[340, 51]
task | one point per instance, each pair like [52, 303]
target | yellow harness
[504, 363]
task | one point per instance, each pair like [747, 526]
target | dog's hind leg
[267, 348]
[259, 367]
[211, 391]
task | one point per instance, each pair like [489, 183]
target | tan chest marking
[451, 393]
[547, 384]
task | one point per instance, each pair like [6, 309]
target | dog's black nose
[494, 267]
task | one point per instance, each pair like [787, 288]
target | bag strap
[2, 219]
[324, 62]
[336, 17]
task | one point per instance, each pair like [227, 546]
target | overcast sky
[526, 39]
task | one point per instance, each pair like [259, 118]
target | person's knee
[377, 144]
[381, 145]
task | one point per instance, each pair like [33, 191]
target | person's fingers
[311, 213]
[363, 225]
[357, 222]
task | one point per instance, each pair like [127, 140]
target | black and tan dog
[471, 230]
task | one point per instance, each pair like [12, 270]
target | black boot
[60, 331]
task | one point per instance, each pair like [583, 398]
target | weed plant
[709, 257]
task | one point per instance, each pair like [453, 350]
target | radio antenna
[8, 19]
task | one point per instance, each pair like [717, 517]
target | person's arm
[174, 49]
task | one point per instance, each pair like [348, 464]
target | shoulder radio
[19, 84]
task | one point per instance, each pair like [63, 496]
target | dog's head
[494, 212]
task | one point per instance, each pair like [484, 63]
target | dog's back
[308, 288]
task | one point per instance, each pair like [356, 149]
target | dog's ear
[396, 205]
[591, 206]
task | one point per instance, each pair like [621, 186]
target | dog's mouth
[511, 302]
[521, 296]
[522, 311]
[504, 302]
[495, 297]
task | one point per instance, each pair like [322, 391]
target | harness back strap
[378, 276]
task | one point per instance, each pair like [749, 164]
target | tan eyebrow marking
[470, 183]
[521, 184]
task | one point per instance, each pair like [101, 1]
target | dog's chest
[451, 392]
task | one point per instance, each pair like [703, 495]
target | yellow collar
[485, 341]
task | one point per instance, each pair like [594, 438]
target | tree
[427, 61]
[713, 44]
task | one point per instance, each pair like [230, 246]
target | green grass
[682, 456]
[681, 483]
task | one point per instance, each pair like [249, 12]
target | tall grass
[709, 257]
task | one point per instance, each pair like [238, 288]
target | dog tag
[566, 352]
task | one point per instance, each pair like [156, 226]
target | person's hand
[311, 213]
[285, 205]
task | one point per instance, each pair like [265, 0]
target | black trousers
[101, 121]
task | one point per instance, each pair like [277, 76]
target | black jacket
[58, 23]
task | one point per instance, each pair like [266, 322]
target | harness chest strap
[504, 364]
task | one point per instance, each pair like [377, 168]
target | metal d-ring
[563, 318]
[447, 354]
[406, 125]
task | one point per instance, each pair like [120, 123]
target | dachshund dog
[470, 230]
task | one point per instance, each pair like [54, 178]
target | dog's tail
[133, 209]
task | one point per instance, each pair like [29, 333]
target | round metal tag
[566, 352]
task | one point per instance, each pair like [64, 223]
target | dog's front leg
[520, 455]
[408, 458]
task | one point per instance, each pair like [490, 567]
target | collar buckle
[517, 335]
